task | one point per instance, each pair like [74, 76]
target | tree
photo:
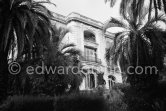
[139, 44]
[62, 52]
[64, 56]
[22, 22]
[137, 4]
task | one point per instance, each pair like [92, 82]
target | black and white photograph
[82, 55]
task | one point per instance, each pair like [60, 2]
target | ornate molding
[82, 19]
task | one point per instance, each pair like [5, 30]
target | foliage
[81, 102]
[55, 84]
[143, 100]
[153, 4]
[139, 44]
[59, 55]
[115, 98]
[120, 98]
[51, 54]
[100, 79]
[73, 102]
[28, 103]
[138, 100]
[24, 24]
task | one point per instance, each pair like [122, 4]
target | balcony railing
[91, 59]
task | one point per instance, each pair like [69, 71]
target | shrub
[115, 98]
[28, 103]
[144, 100]
[81, 102]
[73, 102]
[131, 99]
[122, 87]
[139, 101]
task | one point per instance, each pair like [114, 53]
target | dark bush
[145, 100]
[122, 87]
[123, 97]
[73, 102]
[81, 102]
[115, 98]
[28, 103]
[140, 101]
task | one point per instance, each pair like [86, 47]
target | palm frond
[20, 37]
[66, 46]
[143, 14]
[72, 51]
[150, 7]
[112, 2]
[156, 8]
[119, 48]
[159, 35]
[25, 4]
[164, 3]
[7, 32]
[154, 20]
[114, 23]
[63, 32]
[32, 23]
[109, 53]
[124, 7]
[117, 53]
[159, 4]
[59, 34]
[22, 19]
[11, 3]
[121, 36]
[42, 9]
[43, 2]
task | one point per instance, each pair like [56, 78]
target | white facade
[88, 36]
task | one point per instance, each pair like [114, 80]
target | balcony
[91, 59]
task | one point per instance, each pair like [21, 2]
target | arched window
[111, 80]
[89, 36]
[112, 77]
[91, 81]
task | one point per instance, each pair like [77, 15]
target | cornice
[81, 18]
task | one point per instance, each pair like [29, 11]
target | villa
[88, 36]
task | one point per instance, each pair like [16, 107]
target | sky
[95, 9]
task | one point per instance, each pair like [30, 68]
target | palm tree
[61, 54]
[22, 22]
[139, 44]
[124, 4]
[60, 49]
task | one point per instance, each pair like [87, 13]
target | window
[89, 36]
[91, 82]
[90, 54]
[111, 80]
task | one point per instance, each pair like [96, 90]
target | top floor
[74, 16]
